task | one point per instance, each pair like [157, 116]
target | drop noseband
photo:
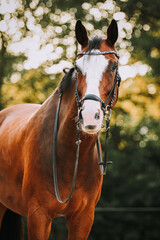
[107, 114]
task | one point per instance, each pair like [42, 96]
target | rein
[107, 114]
[54, 157]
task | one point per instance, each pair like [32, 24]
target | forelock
[94, 43]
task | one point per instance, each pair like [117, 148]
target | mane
[94, 43]
[65, 82]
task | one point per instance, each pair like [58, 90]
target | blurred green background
[37, 40]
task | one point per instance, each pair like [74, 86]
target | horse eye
[113, 67]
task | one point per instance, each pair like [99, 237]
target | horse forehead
[95, 64]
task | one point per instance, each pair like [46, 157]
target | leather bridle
[106, 107]
[117, 81]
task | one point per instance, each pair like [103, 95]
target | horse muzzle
[91, 117]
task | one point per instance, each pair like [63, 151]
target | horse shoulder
[13, 121]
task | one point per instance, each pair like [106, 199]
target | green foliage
[132, 180]
[146, 34]
[34, 86]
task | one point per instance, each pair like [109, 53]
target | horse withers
[27, 187]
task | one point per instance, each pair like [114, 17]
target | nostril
[97, 115]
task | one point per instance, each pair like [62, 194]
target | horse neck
[41, 128]
[67, 128]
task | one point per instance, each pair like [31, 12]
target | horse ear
[81, 33]
[112, 33]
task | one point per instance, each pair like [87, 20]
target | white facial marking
[93, 67]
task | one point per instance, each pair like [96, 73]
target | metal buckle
[108, 112]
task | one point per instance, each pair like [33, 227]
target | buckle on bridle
[108, 112]
[104, 164]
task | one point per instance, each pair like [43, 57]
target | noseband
[106, 107]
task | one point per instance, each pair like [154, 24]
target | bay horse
[27, 186]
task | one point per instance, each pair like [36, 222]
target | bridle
[117, 81]
[106, 108]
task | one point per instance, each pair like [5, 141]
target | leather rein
[106, 108]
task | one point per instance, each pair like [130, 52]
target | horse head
[96, 76]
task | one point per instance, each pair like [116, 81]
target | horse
[28, 146]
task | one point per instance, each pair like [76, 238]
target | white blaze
[93, 67]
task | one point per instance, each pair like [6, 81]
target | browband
[98, 53]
